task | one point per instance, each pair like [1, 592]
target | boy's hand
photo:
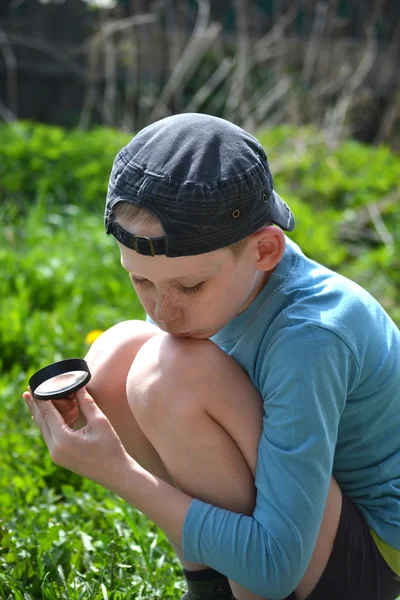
[67, 407]
[95, 451]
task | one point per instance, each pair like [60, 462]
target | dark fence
[257, 62]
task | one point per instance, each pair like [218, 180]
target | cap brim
[281, 214]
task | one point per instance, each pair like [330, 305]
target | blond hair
[128, 215]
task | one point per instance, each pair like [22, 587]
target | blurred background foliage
[313, 80]
[59, 267]
[127, 63]
[63, 537]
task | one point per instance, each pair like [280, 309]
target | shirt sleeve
[148, 320]
[304, 374]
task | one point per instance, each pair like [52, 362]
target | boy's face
[193, 296]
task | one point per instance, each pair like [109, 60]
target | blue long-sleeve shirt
[326, 359]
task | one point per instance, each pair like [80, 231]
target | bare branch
[110, 72]
[61, 56]
[151, 60]
[96, 43]
[356, 227]
[202, 37]
[210, 85]
[314, 42]
[336, 118]
[89, 99]
[334, 85]
[393, 108]
[380, 226]
[6, 114]
[269, 101]
[10, 61]
[131, 77]
[236, 101]
[389, 117]
[123, 24]
[275, 34]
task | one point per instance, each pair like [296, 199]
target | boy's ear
[269, 245]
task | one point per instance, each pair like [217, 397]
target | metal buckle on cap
[148, 240]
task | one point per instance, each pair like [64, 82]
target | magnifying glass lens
[60, 379]
[61, 383]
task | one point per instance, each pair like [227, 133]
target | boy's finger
[26, 396]
[37, 417]
[87, 405]
[64, 405]
[49, 413]
[47, 418]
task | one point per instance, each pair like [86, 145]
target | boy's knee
[164, 369]
[112, 353]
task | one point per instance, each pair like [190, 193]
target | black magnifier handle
[72, 374]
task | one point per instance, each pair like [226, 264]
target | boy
[254, 418]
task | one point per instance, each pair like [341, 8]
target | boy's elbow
[275, 590]
[277, 581]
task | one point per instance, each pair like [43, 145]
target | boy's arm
[96, 452]
[305, 387]
[305, 375]
[159, 501]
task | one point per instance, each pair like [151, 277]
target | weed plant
[63, 537]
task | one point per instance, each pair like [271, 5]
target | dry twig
[393, 107]
[124, 24]
[6, 114]
[381, 229]
[336, 118]
[314, 42]
[61, 56]
[110, 73]
[236, 102]
[210, 85]
[10, 61]
[267, 102]
[96, 43]
[262, 47]
[202, 37]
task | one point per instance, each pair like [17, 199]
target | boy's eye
[137, 281]
[185, 290]
[194, 289]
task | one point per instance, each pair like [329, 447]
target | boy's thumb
[87, 405]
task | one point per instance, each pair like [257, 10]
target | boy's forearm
[159, 501]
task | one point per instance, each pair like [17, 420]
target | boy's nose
[165, 312]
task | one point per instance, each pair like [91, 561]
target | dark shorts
[356, 569]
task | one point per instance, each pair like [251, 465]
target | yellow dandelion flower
[93, 335]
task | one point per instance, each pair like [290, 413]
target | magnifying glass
[59, 379]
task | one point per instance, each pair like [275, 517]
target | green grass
[62, 536]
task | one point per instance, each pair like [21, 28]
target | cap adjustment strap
[140, 243]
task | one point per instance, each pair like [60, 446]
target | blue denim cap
[205, 179]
